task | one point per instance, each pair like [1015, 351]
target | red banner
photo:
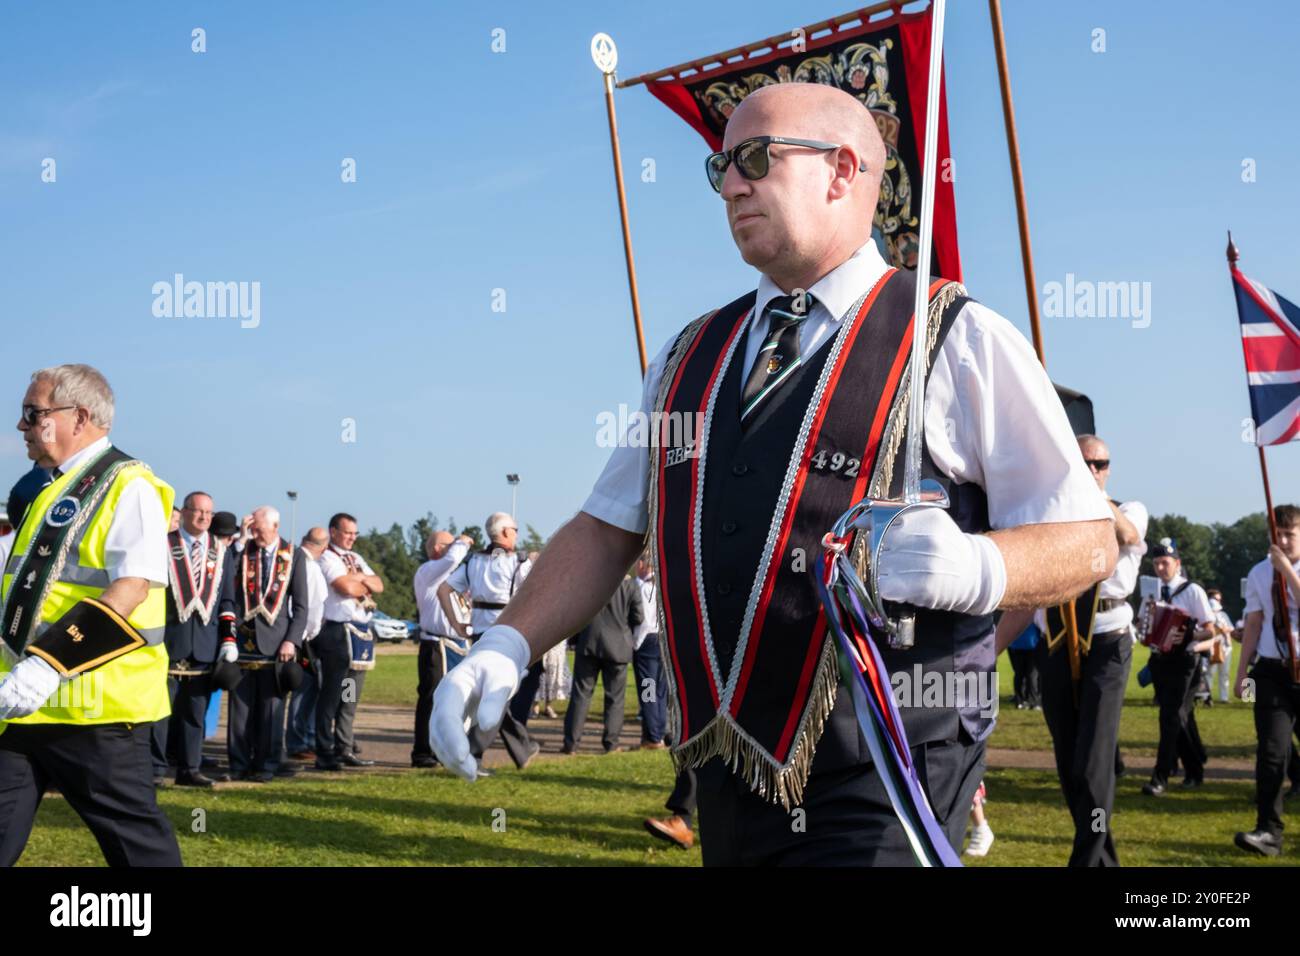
[885, 65]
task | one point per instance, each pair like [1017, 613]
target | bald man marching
[781, 408]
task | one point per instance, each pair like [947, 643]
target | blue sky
[479, 171]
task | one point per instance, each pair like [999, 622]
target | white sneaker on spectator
[981, 839]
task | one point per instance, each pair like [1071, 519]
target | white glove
[927, 561]
[229, 651]
[27, 687]
[476, 691]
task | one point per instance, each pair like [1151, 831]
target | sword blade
[921, 310]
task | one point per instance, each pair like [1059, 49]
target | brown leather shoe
[653, 745]
[673, 830]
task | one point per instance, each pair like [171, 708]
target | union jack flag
[1270, 337]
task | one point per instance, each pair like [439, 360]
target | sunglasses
[752, 159]
[1101, 464]
[32, 414]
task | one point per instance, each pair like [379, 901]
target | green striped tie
[779, 356]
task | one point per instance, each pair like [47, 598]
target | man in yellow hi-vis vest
[83, 668]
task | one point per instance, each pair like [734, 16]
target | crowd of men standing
[255, 616]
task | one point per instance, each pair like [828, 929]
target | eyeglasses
[1101, 464]
[752, 159]
[32, 414]
[196, 511]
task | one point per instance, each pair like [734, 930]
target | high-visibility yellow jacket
[131, 688]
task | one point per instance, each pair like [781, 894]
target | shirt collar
[839, 288]
[81, 457]
[189, 539]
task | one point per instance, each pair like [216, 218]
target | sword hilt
[897, 620]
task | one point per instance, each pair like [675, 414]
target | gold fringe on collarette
[722, 737]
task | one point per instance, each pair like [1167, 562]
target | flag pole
[1279, 586]
[1017, 177]
[605, 55]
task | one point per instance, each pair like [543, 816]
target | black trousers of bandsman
[1277, 702]
[1085, 736]
[1174, 676]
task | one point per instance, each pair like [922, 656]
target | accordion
[1163, 627]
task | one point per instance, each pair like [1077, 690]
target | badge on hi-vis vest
[62, 512]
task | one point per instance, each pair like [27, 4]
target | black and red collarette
[184, 596]
[760, 712]
[270, 603]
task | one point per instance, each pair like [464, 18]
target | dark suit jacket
[289, 623]
[609, 635]
[193, 639]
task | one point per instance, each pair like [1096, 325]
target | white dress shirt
[428, 578]
[992, 416]
[1193, 601]
[493, 578]
[650, 623]
[317, 591]
[340, 607]
[136, 543]
[1121, 584]
[1259, 597]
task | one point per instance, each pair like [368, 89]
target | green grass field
[587, 810]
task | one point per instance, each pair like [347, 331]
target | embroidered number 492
[836, 462]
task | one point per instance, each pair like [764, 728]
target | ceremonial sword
[853, 609]
[874, 516]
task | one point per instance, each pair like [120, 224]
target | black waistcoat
[745, 474]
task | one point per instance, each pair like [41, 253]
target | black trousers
[1084, 738]
[848, 820]
[182, 733]
[252, 742]
[1026, 681]
[684, 800]
[1277, 701]
[104, 771]
[1174, 676]
[521, 705]
[429, 669]
[614, 677]
[333, 652]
